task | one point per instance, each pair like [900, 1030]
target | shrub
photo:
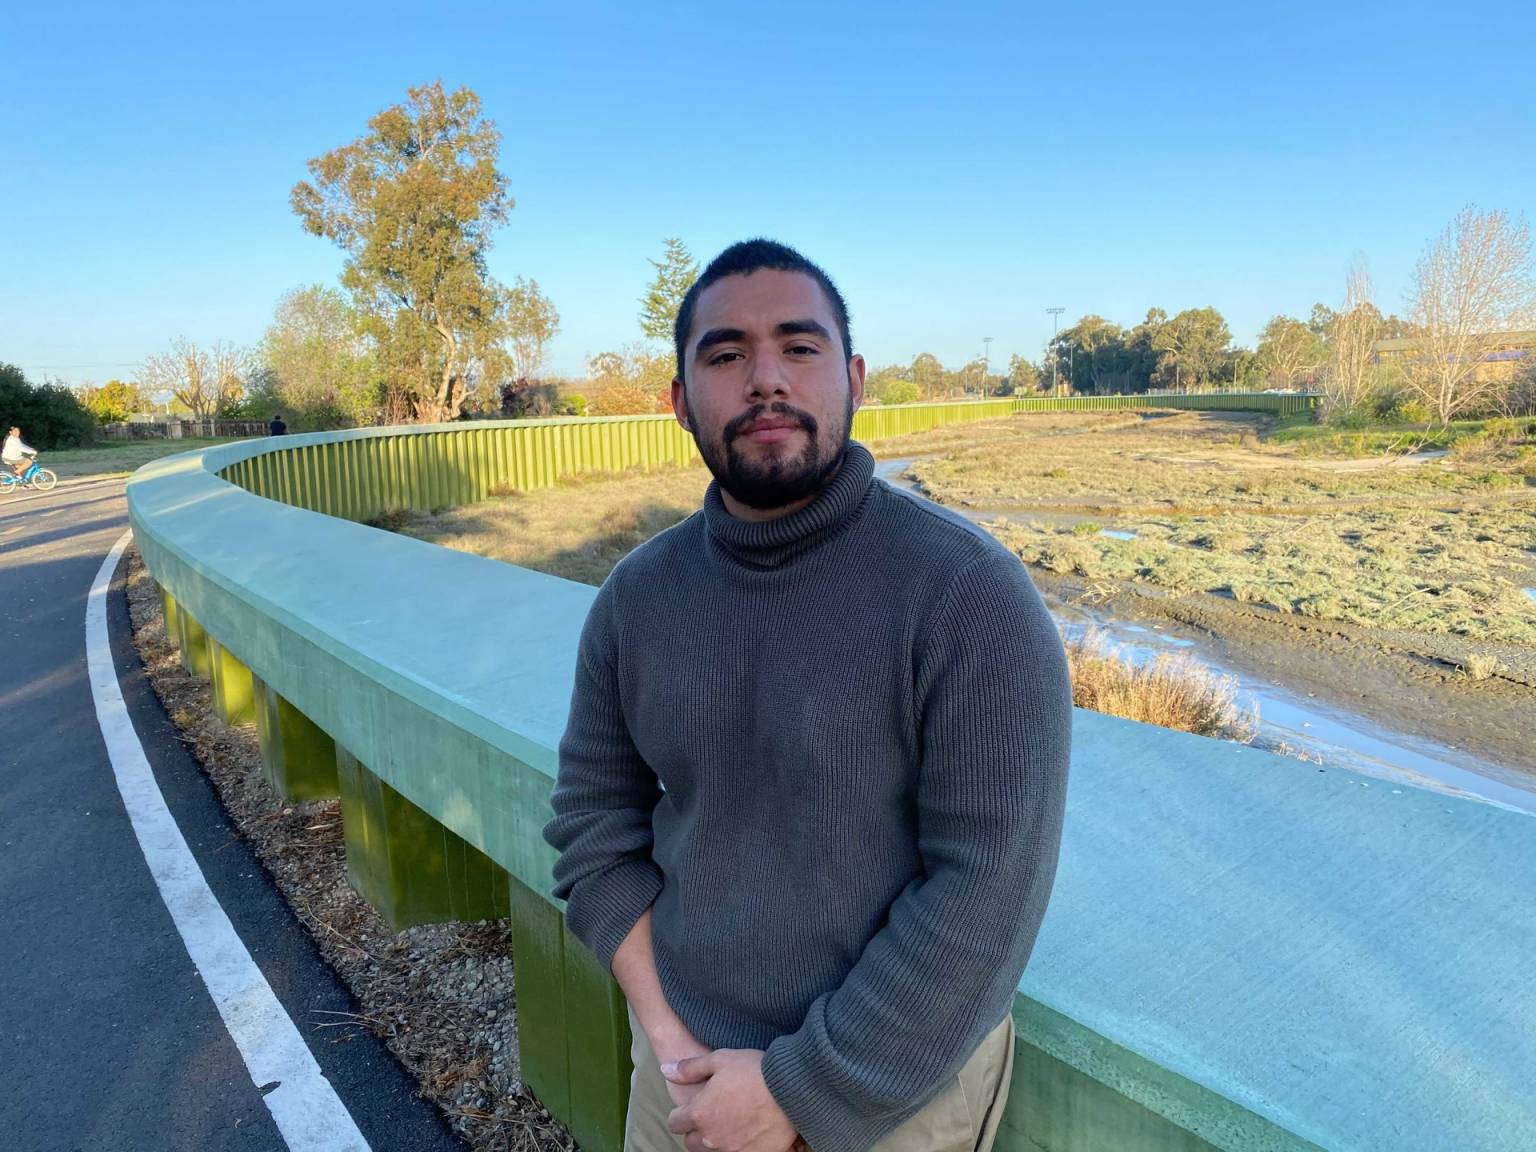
[623, 400]
[1172, 691]
[1480, 666]
[525, 399]
[1069, 557]
[1403, 410]
[49, 415]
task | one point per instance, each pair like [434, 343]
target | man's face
[771, 392]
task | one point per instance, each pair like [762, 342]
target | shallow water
[1312, 726]
[1319, 729]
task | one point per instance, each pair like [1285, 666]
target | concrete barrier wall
[1242, 951]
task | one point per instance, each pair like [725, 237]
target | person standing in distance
[811, 788]
[277, 427]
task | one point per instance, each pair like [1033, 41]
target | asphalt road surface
[108, 1037]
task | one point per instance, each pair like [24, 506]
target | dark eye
[811, 348]
[723, 357]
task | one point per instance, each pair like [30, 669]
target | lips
[770, 433]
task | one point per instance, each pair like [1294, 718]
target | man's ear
[856, 371]
[680, 404]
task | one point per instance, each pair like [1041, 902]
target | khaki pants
[963, 1117]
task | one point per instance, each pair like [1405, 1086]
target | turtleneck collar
[770, 543]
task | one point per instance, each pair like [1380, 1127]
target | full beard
[776, 481]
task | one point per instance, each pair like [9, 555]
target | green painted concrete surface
[538, 961]
[234, 697]
[193, 642]
[572, 1027]
[297, 758]
[1243, 949]
[405, 863]
[172, 630]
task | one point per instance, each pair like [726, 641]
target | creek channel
[1308, 727]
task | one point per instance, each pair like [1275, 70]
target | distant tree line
[418, 330]
[49, 414]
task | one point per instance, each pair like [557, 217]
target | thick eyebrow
[719, 336]
[802, 328]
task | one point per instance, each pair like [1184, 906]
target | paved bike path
[108, 1037]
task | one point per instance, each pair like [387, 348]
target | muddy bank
[1409, 682]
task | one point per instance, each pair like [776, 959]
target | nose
[767, 377]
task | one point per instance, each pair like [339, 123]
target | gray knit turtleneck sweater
[832, 750]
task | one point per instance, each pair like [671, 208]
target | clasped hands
[723, 1104]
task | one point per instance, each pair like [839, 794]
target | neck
[757, 515]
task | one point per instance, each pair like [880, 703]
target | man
[16, 453]
[277, 427]
[811, 789]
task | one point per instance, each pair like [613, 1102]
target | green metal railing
[364, 474]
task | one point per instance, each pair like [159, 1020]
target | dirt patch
[441, 996]
[1410, 682]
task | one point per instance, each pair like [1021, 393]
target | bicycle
[37, 478]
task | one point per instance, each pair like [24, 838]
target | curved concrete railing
[1241, 952]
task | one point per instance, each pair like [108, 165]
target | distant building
[1506, 350]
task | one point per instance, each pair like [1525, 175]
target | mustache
[740, 424]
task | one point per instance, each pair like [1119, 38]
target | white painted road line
[308, 1113]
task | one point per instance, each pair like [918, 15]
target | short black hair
[742, 259]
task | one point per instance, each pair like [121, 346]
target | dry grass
[1428, 569]
[577, 530]
[1441, 547]
[1481, 665]
[1171, 691]
[1192, 462]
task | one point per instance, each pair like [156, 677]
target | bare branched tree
[1471, 287]
[1350, 374]
[531, 321]
[203, 380]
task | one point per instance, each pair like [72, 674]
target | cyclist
[16, 453]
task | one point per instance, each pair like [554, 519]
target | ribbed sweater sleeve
[994, 707]
[603, 800]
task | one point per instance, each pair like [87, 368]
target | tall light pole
[1055, 312]
[986, 363]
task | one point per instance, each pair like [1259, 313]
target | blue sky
[958, 168]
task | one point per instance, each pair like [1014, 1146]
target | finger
[680, 1120]
[690, 1071]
